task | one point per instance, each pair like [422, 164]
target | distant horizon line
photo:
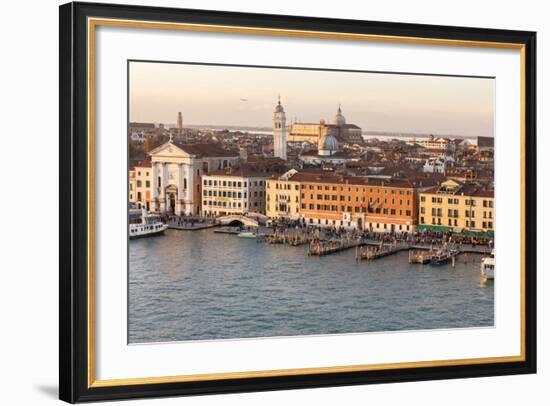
[268, 128]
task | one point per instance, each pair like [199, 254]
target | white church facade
[177, 170]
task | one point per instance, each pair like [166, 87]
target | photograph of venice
[272, 202]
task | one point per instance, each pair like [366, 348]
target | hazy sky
[376, 102]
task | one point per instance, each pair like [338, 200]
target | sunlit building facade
[328, 200]
[233, 191]
[458, 206]
[139, 185]
[283, 197]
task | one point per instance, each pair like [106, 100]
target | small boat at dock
[247, 234]
[228, 230]
[488, 267]
[443, 256]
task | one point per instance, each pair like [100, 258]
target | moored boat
[488, 266]
[143, 224]
[247, 234]
[442, 256]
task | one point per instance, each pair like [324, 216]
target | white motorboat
[488, 266]
[247, 234]
[142, 224]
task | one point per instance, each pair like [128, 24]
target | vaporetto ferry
[143, 224]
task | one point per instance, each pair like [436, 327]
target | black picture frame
[74, 200]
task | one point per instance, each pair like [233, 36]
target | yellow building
[312, 132]
[456, 206]
[283, 197]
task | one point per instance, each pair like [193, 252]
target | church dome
[279, 107]
[339, 118]
[327, 145]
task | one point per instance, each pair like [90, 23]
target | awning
[429, 227]
[477, 233]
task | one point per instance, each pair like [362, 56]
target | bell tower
[279, 131]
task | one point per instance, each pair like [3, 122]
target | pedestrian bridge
[238, 219]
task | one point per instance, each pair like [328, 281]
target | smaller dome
[327, 145]
[339, 118]
[279, 107]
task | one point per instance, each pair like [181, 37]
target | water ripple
[201, 285]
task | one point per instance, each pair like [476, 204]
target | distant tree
[152, 142]
[135, 151]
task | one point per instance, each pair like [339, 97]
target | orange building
[382, 205]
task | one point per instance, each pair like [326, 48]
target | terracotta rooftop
[207, 150]
[140, 164]
[349, 180]
[255, 168]
[465, 189]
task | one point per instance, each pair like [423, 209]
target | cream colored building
[456, 206]
[233, 191]
[283, 197]
[177, 170]
[439, 144]
[139, 184]
[338, 128]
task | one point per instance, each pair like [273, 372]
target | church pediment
[169, 149]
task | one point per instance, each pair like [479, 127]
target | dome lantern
[339, 118]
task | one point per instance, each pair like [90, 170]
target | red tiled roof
[350, 180]
[466, 189]
[207, 150]
[140, 164]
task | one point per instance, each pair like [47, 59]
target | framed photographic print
[256, 202]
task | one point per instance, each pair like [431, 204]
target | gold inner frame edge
[94, 22]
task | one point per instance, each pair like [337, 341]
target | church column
[180, 207]
[190, 192]
[155, 187]
[164, 182]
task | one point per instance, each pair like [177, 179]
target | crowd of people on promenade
[296, 227]
[185, 220]
[423, 237]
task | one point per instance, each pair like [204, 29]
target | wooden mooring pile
[291, 239]
[318, 247]
[380, 251]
